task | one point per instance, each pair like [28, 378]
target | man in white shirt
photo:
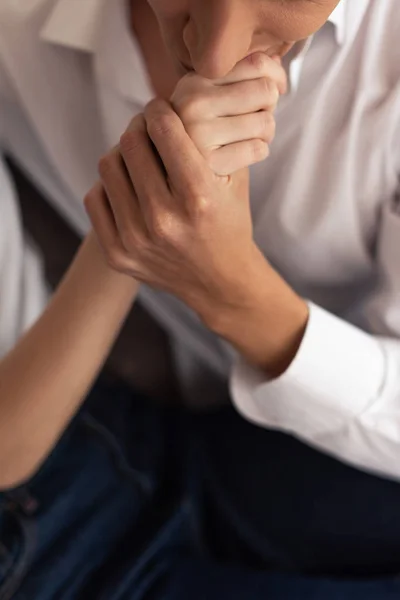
[330, 231]
[324, 205]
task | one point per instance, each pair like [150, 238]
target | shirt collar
[338, 20]
[74, 23]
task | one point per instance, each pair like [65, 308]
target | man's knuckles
[161, 119]
[131, 142]
[108, 164]
[134, 136]
[165, 230]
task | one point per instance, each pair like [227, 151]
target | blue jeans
[138, 503]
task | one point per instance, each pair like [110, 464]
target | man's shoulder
[20, 10]
[21, 50]
[21, 22]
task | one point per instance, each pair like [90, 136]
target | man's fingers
[256, 66]
[121, 196]
[102, 219]
[144, 166]
[183, 162]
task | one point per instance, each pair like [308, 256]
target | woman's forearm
[45, 378]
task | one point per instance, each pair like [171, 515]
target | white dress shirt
[325, 204]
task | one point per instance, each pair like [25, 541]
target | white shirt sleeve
[341, 394]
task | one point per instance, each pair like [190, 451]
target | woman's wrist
[91, 276]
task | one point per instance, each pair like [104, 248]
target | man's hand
[231, 121]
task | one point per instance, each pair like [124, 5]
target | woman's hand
[231, 120]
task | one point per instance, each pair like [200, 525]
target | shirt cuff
[337, 374]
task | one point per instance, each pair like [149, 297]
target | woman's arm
[46, 377]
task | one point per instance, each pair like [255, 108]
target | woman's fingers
[103, 221]
[122, 198]
[256, 66]
[245, 97]
[230, 130]
[233, 158]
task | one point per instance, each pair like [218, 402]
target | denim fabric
[138, 503]
[269, 500]
[64, 534]
[195, 580]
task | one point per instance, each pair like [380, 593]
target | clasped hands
[172, 208]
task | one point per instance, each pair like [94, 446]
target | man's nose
[218, 35]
